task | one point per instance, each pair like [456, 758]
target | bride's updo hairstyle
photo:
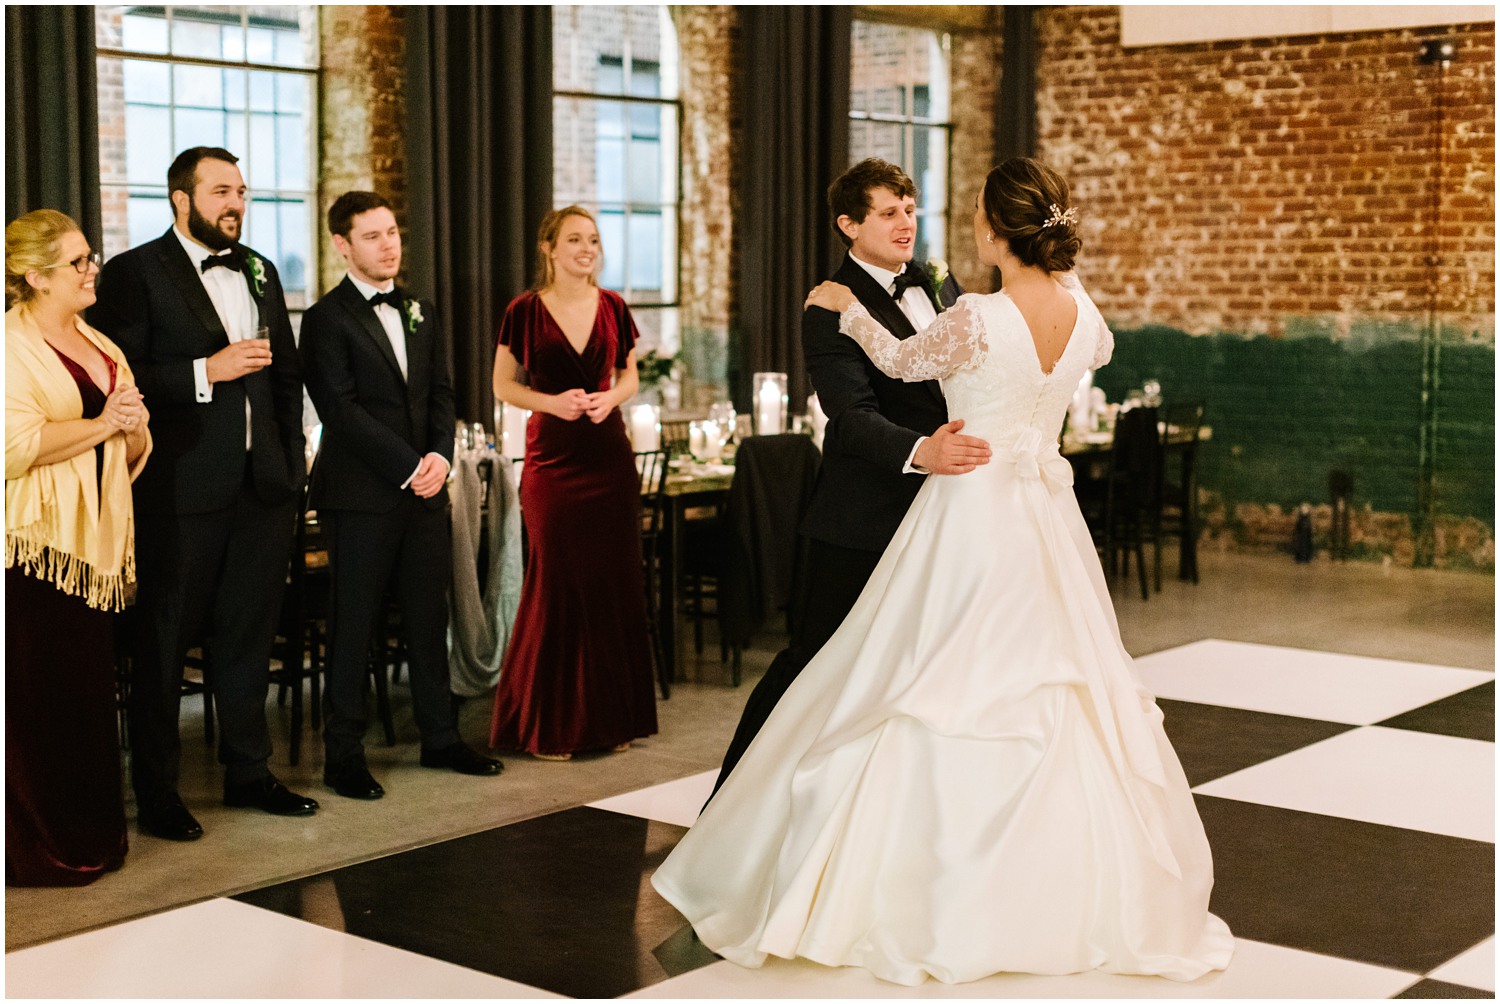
[1019, 200]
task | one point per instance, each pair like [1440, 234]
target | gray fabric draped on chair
[479, 152]
[52, 115]
[796, 117]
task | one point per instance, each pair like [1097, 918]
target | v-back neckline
[578, 350]
[1036, 357]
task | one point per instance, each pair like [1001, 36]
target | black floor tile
[1469, 714]
[1438, 990]
[561, 902]
[1212, 741]
[1379, 894]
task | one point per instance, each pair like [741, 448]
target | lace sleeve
[953, 341]
[1104, 345]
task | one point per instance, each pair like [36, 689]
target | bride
[969, 778]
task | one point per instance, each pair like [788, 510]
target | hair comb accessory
[1059, 215]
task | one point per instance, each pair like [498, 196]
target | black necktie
[913, 276]
[230, 260]
[389, 298]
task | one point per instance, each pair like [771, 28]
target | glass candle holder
[513, 431]
[768, 396]
[645, 427]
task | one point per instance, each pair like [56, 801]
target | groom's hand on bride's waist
[948, 452]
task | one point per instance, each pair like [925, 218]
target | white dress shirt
[918, 309]
[389, 317]
[230, 294]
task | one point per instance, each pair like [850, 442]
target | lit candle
[768, 410]
[695, 439]
[1081, 419]
[645, 428]
[513, 432]
[713, 440]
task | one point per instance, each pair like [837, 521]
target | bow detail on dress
[1038, 458]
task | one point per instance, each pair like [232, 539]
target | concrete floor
[1446, 618]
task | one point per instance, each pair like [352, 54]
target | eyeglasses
[81, 263]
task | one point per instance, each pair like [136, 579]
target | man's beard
[205, 232]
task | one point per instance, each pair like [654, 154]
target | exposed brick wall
[975, 74]
[361, 100]
[1272, 185]
[1258, 219]
[709, 137]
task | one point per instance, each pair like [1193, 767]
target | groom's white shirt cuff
[911, 466]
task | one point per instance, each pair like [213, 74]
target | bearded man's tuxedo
[215, 507]
[865, 484]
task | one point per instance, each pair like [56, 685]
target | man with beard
[203, 321]
[378, 373]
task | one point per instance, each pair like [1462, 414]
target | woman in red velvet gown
[577, 674]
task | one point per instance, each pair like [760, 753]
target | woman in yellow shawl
[75, 437]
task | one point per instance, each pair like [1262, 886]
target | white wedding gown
[969, 778]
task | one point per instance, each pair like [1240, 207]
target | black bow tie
[913, 276]
[389, 298]
[231, 260]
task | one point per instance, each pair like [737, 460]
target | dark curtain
[795, 107]
[479, 153]
[1015, 111]
[52, 115]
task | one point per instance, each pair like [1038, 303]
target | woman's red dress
[577, 674]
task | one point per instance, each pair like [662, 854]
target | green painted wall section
[1286, 411]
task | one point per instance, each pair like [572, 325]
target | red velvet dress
[64, 807]
[577, 674]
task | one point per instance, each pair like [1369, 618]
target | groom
[883, 436]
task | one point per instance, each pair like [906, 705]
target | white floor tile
[1258, 971]
[1439, 784]
[1474, 968]
[1353, 689]
[222, 948]
[677, 802]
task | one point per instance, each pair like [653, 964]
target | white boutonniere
[255, 269]
[938, 270]
[413, 315]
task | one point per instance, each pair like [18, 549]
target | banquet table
[692, 485]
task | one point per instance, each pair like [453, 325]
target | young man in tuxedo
[379, 376]
[203, 321]
[883, 436]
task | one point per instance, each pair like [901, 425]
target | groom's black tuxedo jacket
[377, 426]
[152, 303]
[874, 421]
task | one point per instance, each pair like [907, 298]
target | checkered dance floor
[1349, 802]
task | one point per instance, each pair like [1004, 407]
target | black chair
[652, 466]
[1340, 491]
[757, 553]
[301, 647]
[675, 436]
[1179, 485]
[1133, 495]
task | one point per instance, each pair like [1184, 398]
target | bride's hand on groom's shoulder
[830, 296]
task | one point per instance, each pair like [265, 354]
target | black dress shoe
[268, 795]
[352, 780]
[169, 819]
[462, 759]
